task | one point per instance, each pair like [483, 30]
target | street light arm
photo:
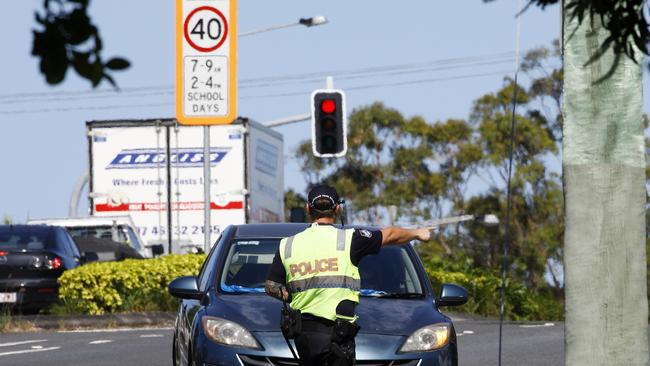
[308, 22]
[288, 120]
[262, 30]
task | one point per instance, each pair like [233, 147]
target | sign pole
[206, 188]
[206, 76]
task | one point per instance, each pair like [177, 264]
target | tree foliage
[67, 38]
[445, 168]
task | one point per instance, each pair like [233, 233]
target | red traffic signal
[329, 125]
[328, 106]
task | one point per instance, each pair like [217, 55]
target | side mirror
[452, 295]
[185, 288]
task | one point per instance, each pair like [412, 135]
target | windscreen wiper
[400, 295]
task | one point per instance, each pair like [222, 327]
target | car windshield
[100, 232]
[23, 239]
[391, 273]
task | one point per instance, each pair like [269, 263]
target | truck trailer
[152, 170]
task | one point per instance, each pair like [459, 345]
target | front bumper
[372, 349]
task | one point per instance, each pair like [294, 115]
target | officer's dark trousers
[314, 344]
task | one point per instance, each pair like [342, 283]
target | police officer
[317, 271]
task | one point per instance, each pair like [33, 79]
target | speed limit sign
[206, 61]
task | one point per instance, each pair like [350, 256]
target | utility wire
[87, 108]
[381, 85]
[169, 90]
[262, 96]
[508, 235]
[283, 78]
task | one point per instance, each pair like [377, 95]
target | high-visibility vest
[320, 273]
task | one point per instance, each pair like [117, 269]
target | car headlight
[427, 338]
[228, 333]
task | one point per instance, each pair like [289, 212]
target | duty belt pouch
[344, 331]
[343, 341]
[290, 323]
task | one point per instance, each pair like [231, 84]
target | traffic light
[329, 125]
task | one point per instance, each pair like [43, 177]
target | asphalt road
[525, 344]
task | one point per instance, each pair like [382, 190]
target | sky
[42, 128]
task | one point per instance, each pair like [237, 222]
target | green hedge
[141, 285]
[126, 286]
[485, 296]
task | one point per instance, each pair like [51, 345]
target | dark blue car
[32, 258]
[225, 318]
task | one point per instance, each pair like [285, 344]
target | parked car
[104, 250]
[32, 257]
[116, 228]
[225, 318]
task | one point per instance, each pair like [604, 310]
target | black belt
[312, 323]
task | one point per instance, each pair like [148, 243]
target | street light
[308, 22]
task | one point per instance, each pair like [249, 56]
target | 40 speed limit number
[206, 65]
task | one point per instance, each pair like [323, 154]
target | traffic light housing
[329, 124]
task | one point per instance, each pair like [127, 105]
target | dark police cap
[326, 196]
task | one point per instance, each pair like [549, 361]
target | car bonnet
[259, 312]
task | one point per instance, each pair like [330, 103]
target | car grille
[275, 361]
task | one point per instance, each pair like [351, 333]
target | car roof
[84, 221]
[27, 228]
[280, 230]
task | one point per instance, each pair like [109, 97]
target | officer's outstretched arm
[277, 290]
[397, 235]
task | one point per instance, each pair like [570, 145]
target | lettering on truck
[152, 158]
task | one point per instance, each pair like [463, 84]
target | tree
[68, 39]
[293, 200]
[605, 176]
[393, 160]
[425, 169]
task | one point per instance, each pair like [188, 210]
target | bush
[484, 290]
[130, 285]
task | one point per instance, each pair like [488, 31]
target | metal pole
[288, 120]
[76, 194]
[169, 190]
[329, 82]
[206, 188]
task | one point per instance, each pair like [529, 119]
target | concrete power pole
[604, 185]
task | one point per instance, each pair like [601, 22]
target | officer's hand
[286, 295]
[423, 234]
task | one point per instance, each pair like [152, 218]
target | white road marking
[112, 330]
[37, 347]
[151, 336]
[28, 351]
[465, 332]
[23, 342]
[100, 341]
[537, 325]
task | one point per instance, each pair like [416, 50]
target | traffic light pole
[329, 84]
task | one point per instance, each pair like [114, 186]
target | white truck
[132, 161]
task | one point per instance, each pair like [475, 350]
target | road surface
[525, 344]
